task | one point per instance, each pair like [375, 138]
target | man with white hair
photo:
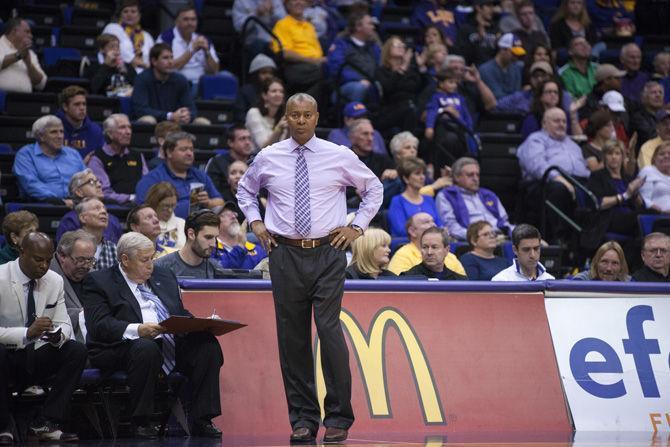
[118, 167]
[94, 219]
[124, 305]
[634, 79]
[44, 168]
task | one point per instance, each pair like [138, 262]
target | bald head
[36, 253]
[630, 57]
[555, 123]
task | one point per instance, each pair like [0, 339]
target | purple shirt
[331, 169]
[95, 165]
[632, 85]
[540, 151]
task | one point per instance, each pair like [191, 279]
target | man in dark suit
[123, 306]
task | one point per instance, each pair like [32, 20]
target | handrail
[243, 38]
[574, 182]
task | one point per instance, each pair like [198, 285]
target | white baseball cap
[613, 100]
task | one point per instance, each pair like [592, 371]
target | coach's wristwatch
[357, 228]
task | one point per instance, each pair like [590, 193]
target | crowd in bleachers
[485, 121]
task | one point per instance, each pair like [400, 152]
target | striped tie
[303, 218]
[168, 340]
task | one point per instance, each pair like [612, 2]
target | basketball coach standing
[305, 234]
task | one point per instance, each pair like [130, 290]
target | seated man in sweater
[118, 167]
[434, 250]
[81, 132]
[465, 202]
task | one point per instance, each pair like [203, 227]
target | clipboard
[183, 325]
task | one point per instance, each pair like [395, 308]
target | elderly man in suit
[35, 342]
[74, 258]
[123, 305]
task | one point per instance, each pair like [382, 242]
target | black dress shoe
[207, 430]
[302, 434]
[6, 439]
[145, 432]
[335, 435]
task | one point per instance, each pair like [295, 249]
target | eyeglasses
[653, 251]
[553, 92]
[92, 181]
[81, 261]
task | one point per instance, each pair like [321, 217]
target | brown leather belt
[303, 243]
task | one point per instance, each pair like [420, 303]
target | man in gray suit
[35, 339]
[74, 258]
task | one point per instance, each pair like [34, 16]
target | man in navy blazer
[123, 306]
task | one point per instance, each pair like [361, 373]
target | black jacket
[444, 275]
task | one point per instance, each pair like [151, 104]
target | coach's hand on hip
[262, 234]
[342, 237]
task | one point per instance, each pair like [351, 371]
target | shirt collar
[189, 173]
[310, 145]
[178, 37]
[23, 279]
[131, 284]
[37, 150]
[358, 42]
[107, 149]
[539, 270]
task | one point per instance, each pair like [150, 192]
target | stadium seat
[646, 222]
[16, 132]
[222, 86]
[100, 107]
[89, 17]
[218, 112]
[500, 123]
[52, 55]
[82, 38]
[499, 166]
[30, 104]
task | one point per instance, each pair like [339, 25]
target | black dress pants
[199, 358]
[64, 364]
[303, 279]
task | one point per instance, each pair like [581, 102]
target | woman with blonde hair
[162, 197]
[370, 255]
[609, 264]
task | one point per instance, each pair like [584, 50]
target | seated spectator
[411, 201]
[82, 185]
[81, 132]
[579, 74]
[662, 135]
[31, 350]
[162, 197]
[656, 259]
[608, 78]
[117, 167]
[194, 54]
[301, 50]
[161, 130]
[611, 18]
[239, 148]
[549, 94]
[194, 188]
[530, 28]
[361, 135]
[431, 14]
[403, 145]
[643, 121]
[144, 220]
[134, 42]
[400, 81]
[480, 263]
[110, 75]
[571, 19]
[194, 260]
[599, 131]
[608, 264]
[266, 11]
[548, 147]
[351, 112]
[661, 72]
[354, 57]
[233, 250]
[617, 193]
[161, 94]
[261, 70]
[655, 190]
[476, 39]
[325, 19]
[539, 53]
[478, 96]
[526, 244]
[370, 256]
[20, 70]
[44, 169]
[465, 202]
[616, 104]
[235, 172]
[266, 121]
[94, 220]
[15, 226]
[409, 254]
[634, 80]
[432, 34]
[520, 101]
[74, 258]
[448, 122]
[434, 250]
[502, 73]
[121, 337]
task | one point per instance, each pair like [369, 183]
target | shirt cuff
[131, 332]
[25, 337]
[360, 221]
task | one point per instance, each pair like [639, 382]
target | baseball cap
[542, 65]
[613, 100]
[605, 71]
[261, 61]
[231, 206]
[662, 114]
[355, 110]
[509, 40]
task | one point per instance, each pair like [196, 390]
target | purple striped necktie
[303, 216]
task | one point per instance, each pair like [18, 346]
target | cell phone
[51, 334]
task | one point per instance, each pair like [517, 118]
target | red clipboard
[183, 325]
